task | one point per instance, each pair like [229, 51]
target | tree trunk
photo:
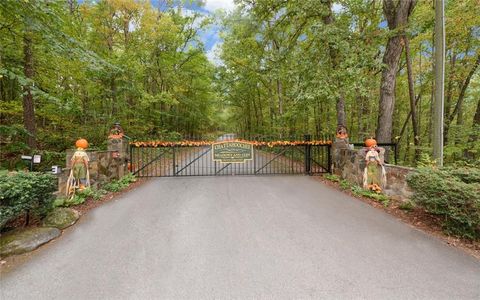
[341, 111]
[387, 90]
[280, 97]
[461, 97]
[28, 105]
[474, 135]
[396, 13]
[72, 4]
[334, 54]
[113, 90]
[448, 98]
[413, 108]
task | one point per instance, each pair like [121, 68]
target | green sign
[232, 152]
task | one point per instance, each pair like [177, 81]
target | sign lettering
[232, 152]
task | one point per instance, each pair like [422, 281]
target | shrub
[21, 192]
[451, 193]
[332, 177]
[464, 173]
[408, 206]
[118, 185]
[80, 197]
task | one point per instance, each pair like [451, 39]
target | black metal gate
[168, 159]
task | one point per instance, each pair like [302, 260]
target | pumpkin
[370, 142]
[81, 143]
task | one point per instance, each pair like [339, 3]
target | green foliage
[426, 161]
[275, 58]
[154, 78]
[466, 173]
[12, 141]
[50, 158]
[345, 184]
[95, 194]
[77, 199]
[332, 177]
[80, 197]
[358, 191]
[408, 206]
[25, 191]
[451, 193]
[118, 185]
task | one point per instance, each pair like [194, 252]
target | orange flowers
[209, 143]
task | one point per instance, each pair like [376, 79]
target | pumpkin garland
[187, 143]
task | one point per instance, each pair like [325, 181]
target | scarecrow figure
[374, 174]
[79, 175]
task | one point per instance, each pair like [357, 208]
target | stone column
[118, 149]
[341, 143]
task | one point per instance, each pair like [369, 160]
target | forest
[70, 69]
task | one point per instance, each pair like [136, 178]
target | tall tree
[28, 104]
[411, 94]
[334, 54]
[396, 13]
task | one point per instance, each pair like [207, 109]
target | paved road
[243, 238]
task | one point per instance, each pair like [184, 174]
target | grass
[381, 198]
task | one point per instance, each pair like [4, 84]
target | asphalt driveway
[243, 237]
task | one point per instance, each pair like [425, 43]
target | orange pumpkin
[81, 143]
[370, 142]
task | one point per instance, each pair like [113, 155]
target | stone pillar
[341, 143]
[118, 148]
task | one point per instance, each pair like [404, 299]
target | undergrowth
[381, 198]
[96, 194]
[453, 193]
[357, 190]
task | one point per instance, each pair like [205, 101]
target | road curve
[243, 237]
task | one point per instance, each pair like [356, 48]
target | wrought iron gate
[168, 159]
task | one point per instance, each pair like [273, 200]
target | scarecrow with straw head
[79, 175]
[374, 174]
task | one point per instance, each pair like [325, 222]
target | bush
[408, 206]
[80, 197]
[95, 194]
[25, 191]
[454, 194]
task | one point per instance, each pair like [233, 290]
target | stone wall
[349, 164]
[104, 166]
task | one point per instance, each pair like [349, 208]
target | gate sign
[232, 152]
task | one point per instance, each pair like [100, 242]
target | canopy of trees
[70, 69]
[307, 66]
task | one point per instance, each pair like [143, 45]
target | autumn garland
[209, 143]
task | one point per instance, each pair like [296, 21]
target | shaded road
[285, 237]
